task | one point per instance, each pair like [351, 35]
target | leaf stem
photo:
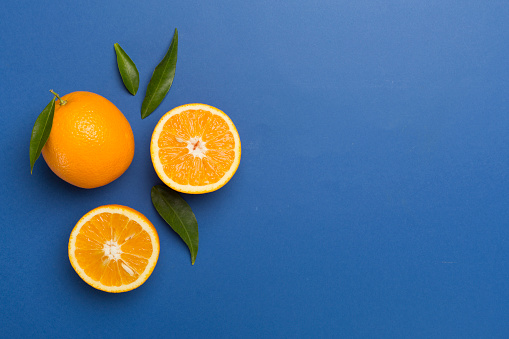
[61, 102]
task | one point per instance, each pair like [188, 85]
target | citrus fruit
[114, 248]
[91, 142]
[195, 148]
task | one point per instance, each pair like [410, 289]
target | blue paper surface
[373, 191]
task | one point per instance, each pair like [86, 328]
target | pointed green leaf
[177, 213]
[128, 70]
[40, 132]
[161, 80]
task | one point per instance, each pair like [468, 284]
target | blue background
[372, 194]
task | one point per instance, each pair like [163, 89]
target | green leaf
[161, 80]
[177, 213]
[128, 70]
[40, 132]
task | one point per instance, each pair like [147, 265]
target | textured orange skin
[91, 142]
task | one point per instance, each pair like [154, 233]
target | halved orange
[114, 248]
[195, 148]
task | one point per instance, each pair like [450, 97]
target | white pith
[196, 146]
[112, 249]
[154, 150]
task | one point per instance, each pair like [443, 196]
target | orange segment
[224, 141]
[114, 248]
[195, 148]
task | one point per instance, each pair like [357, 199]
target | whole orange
[91, 142]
